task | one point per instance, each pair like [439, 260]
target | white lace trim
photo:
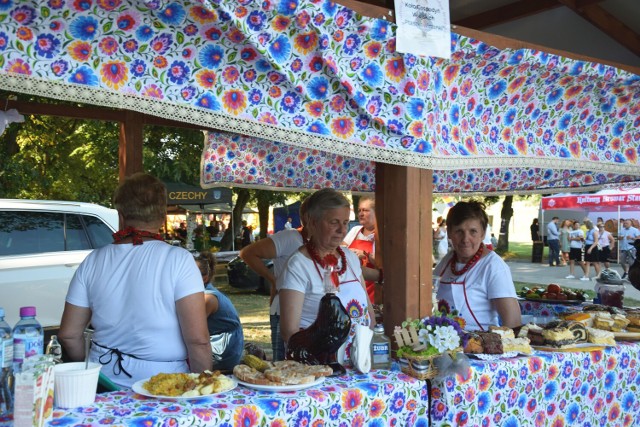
[217, 120]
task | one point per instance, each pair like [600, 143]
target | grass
[253, 309]
[518, 251]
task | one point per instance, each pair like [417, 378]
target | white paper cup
[74, 385]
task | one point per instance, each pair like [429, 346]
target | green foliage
[62, 159]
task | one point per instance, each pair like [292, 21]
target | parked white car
[42, 243]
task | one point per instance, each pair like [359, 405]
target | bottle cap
[27, 311]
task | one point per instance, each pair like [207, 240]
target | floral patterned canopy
[310, 94]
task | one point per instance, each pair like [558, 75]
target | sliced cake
[599, 336]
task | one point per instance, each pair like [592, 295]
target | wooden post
[130, 150]
[403, 209]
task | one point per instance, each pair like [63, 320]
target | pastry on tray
[533, 332]
[479, 342]
[520, 345]
[599, 336]
[503, 331]
[564, 333]
[633, 316]
[287, 372]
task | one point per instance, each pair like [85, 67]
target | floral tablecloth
[380, 398]
[596, 388]
[540, 308]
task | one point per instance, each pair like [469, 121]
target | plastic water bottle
[28, 337]
[380, 349]
[6, 362]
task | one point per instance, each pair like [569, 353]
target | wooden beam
[607, 23]
[403, 209]
[130, 151]
[506, 13]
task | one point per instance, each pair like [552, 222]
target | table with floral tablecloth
[591, 388]
[542, 308]
[379, 398]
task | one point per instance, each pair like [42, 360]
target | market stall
[313, 78]
[610, 204]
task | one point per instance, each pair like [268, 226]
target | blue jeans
[277, 344]
[554, 251]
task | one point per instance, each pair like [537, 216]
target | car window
[99, 233]
[77, 239]
[31, 232]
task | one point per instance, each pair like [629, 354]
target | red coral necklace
[135, 234]
[329, 260]
[473, 261]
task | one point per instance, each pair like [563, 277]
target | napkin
[361, 349]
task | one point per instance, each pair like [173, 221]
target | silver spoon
[88, 335]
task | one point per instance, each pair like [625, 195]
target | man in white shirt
[287, 225]
[627, 235]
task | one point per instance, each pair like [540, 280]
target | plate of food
[627, 336]
[553, 294]
[285, 375]
[184, 386]
[493, 357]
[571, 348]
[284, 387]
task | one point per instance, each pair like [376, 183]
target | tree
[242, 198]
[57, 158]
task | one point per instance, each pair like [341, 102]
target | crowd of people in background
[585, 244]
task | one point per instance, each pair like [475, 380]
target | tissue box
[33, 402]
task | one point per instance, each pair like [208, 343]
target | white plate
[138, 388]
[492, 357]
[572, 348]
[627, 336]
[290, 387]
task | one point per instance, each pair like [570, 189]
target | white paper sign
[423, 27]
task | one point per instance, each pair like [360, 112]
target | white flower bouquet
[421, 341]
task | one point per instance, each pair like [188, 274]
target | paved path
[543, 274]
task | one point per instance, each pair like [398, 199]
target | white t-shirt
[132, 293]
[287, 242]
[355, 233]
[573, 234]
[301, 275]
[489, 279]
[626, 244]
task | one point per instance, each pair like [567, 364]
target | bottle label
[26, 346]
[380, 353]
[6, 353]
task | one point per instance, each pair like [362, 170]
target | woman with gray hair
[143, 297]
[302, 284]
[475, 280]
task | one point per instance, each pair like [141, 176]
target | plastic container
[610, 295]
[74, 385]
[380, 349]
[6, 367]
[28, 337]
